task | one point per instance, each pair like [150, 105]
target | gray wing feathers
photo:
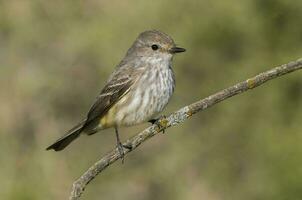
[117, 86]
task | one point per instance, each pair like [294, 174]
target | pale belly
[143, 102]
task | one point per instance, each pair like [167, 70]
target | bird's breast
[147, 97]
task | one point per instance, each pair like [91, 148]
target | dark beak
[177, 50]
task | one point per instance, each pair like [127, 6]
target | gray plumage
[136, 92]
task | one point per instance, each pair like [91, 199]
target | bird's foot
[127, 146]
[161, 123]
[120, 148]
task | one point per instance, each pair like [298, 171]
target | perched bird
[137, 91]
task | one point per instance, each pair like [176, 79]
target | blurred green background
[56, 55]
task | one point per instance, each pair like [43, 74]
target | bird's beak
[176, 50]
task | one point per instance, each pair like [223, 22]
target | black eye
[154, 47]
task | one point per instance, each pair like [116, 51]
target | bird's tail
[65, 140]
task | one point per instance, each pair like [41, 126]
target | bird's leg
[160, 122]
[119, 144]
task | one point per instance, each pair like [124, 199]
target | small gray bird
[136, 92]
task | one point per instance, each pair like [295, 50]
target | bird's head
[154, 43]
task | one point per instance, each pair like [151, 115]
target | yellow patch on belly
[108, 120]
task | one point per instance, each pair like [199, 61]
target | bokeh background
[56, 55]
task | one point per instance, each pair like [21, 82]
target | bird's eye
[154, 47]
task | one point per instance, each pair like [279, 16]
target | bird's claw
[121, 150]
[161, 123]
[127, 146]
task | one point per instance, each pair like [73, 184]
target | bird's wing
[119, 84]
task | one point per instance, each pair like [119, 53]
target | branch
[178, 117]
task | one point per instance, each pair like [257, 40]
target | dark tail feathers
[71, 135]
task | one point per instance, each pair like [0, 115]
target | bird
[139, 88]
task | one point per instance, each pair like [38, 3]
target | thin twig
[177, 118]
